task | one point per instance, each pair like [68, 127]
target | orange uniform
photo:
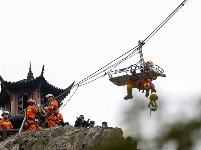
[39, 128]
[52, 112]
[30, 117]
[145, 84]
[59, 119]
[6, 123]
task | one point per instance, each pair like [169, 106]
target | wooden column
[6, 107]
[36, 98]
[14, 104]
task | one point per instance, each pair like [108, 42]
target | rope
[40, 121]
[100, 76]
[70, 98]
[114, 65]
[137, 47]
[22, 111]
[164, 22]
[104, 67]
[134, 49]
[17, 113]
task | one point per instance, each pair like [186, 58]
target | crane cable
[133, 49]
[164, 22]
[144, 41]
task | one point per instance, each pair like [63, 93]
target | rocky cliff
[69, 138]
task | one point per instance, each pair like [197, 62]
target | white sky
[73, 39]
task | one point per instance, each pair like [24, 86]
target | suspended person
[60, 120]
[30, 115]
[145, 84]
[149, 85]
[52, 111]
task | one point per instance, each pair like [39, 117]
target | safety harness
[139, 85]
[29, 124]
[29, 118]
[52, 114]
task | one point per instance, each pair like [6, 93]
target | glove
[54, 107]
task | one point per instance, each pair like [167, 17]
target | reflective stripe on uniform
[29, 110]
[5, 123]
[129, 85]
[147, 84]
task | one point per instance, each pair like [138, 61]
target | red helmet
[30, 101]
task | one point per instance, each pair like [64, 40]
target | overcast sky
[73, 39]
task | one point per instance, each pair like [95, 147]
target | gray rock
[64, 138]
[16, 147]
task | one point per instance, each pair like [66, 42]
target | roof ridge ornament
[42, 71]
[1, 79]
[30, 74]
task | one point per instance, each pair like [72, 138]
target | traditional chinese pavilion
[14, 95]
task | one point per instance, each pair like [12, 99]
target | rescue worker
[141, 85]
[104, 124]
[150, 67]
[30, 115]
[60, 120]
[37, 124]
[52, 111]
[5, 122]
[92, 123]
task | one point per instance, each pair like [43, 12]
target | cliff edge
[69, 138]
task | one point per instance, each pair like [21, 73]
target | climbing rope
[70, 97]
[115, 65]
[89, 77]
[135, 51]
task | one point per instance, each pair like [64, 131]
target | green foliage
[182, 130]
[124, 144]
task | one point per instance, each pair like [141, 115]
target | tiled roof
[25, 82]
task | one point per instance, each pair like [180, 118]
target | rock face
[68, 138]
